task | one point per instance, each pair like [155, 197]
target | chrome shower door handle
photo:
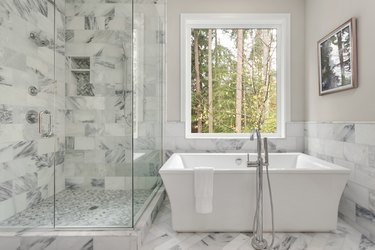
[45, 123]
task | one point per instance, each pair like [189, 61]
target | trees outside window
[235, 74]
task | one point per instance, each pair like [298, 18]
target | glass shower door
[148, 79]
[31, 140]
[97, 176]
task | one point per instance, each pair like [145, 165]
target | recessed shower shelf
[80, 70]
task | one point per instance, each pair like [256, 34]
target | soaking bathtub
[306, 192]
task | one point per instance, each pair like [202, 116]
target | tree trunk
[266, 66]
[341, 56]
[210, 104]
[239, 81]
[197, 81]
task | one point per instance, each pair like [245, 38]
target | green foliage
[258, 81]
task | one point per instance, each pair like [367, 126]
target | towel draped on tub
[203, 189]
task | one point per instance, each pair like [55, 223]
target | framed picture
[337, 53]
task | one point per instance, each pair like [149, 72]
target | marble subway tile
[74, 129]
[97, 183]
[46, 146]
[115, 156]
[372, 201]
[366, 244]
[348, 208]
[115, 183]
[6, 190]
[6, 209]
[76, 23]
[90, 9]
[20, 202]
[365, 176]
[94, 129]
[84, 143]
[334, 148]
[91, 23]
[26, 183]
[11, 132]
[365, 134]
[6, 115]
[114, 129]
[74, 182]
[6, 152]
[85, 103]
[365, 219]
[356, 153]
[357, 193]
[94, 156]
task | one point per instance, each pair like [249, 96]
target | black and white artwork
[338, 59]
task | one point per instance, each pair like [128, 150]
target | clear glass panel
[148, 78]
[96, 188]
[67, 109]
[30, 126]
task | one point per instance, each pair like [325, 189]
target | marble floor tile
[162, 237]
[83, 208]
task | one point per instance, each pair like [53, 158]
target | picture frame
[337, 59]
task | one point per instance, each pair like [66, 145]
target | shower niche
[81, 75]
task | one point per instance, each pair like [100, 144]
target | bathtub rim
[332, 168]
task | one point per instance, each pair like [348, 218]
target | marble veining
[91, 23]
[6, 190]
[24, 149]
[162, 237]
[366, 244]
[350, 145]
[6, 115]
[25, 8]
[26, 183]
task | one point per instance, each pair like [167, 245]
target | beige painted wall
[176, 7]
[322, 16]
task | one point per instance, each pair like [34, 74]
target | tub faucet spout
[258, 242]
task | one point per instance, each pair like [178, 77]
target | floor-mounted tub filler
[306, 192]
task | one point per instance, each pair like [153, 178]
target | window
[234, 71]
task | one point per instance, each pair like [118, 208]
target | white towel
[203, 189]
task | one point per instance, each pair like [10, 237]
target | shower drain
[93, 207]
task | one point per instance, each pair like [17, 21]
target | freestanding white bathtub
[306, 192]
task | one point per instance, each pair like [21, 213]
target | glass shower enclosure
[80, 111]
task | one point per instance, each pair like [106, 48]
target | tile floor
[82, 208]
[162, 237]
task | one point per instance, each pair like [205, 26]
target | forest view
[233, 80]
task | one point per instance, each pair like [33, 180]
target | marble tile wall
[175, 141]
[351, 145]
[30, 55]
[98, 101]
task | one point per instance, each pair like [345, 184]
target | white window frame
[279, 21]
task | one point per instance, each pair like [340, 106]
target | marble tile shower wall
[351, 145]
[175, 141]
[98, 126]
[27, 58]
